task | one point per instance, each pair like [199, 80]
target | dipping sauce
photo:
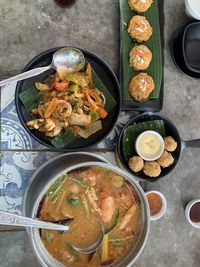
[195, 213]
[149, 145]
[155, 203]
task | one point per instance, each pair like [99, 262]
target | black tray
[154, 105]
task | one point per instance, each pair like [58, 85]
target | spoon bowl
[68, 59]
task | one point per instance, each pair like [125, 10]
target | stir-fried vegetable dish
[82, 198]
[72, 103]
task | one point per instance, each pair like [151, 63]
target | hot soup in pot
[82, 198]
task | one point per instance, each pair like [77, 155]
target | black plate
[177, 53]
[106, 75]
[191, 44]
[170, 130]
[153, 105]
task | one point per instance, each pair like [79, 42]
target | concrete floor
[29, 27]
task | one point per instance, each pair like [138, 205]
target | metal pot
[46, 260]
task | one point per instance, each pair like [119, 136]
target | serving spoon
[68, 59]
[10, 219]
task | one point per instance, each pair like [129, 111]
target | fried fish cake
[170, 144]
[141, 86]
[139, 28]
[152, 169]
[140, 6]
[136, 163]
[140, 57]
[165, 160]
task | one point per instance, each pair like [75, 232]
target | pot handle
[192, 143]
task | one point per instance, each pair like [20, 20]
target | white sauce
[149, 145]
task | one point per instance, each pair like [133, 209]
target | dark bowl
[177, 53]
[106, 75]
[191, 46]
[170, 130]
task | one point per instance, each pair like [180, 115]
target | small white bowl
[162, 147]
[191, 10]
[164, 205]
[187, 213]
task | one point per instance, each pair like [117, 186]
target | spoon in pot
[7, 218]
[65, 60]
[10, 219]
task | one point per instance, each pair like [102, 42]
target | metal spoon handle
[7, 218]
[25, 75]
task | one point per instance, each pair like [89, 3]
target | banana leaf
[154, 43]
[31, 97]
[132, 132]
[110, 101]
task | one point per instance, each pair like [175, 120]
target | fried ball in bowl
[140, 6]
[141, 86]
[165, 160]
[136, 163]
[139, 28]
[152, 169]
[170, 144]
[140, 57]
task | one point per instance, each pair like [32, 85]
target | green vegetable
[131, 133]
[154, 43]
[55, 188]
[79, 78]
[110, 226]
[73, 87]
[94, 115]
[91, 129]
[73, 201]
[46, 235]
[121, 239]
[86, 207]
[77, 180]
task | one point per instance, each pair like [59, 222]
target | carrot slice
[88, 72]
[51, 108]
[89, 99]
[102, 112]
